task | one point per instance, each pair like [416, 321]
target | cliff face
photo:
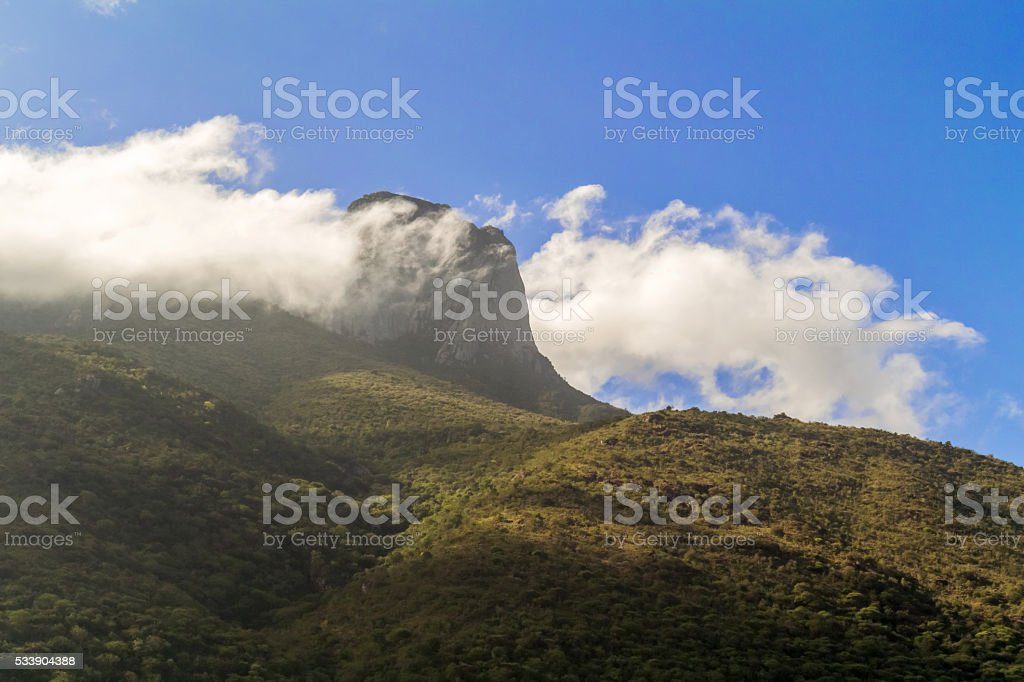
[402, 310]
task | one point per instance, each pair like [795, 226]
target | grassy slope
[168, 577]
[849, 576]
[163, 577]
[280, 350]
[510, 577]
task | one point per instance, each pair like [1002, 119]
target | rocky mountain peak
[497, 356]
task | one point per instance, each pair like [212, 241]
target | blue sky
[851, 140]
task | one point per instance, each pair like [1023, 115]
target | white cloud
[172, 209]
[107, 117]
[576, 207]
[107, 7]
[502, 214]
[1011, 409]
[692, 294]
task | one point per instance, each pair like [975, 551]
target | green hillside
[848, 576]
[512, 573]
[166, 576]
[251, 362]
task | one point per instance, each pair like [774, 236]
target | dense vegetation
[849, 575]
[511, 575]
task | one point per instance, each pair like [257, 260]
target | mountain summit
[497, 357]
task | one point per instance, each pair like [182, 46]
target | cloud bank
[174, 209]
[690, 299]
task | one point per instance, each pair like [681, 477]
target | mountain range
[532, 549]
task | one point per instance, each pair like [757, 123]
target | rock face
[401, 306]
